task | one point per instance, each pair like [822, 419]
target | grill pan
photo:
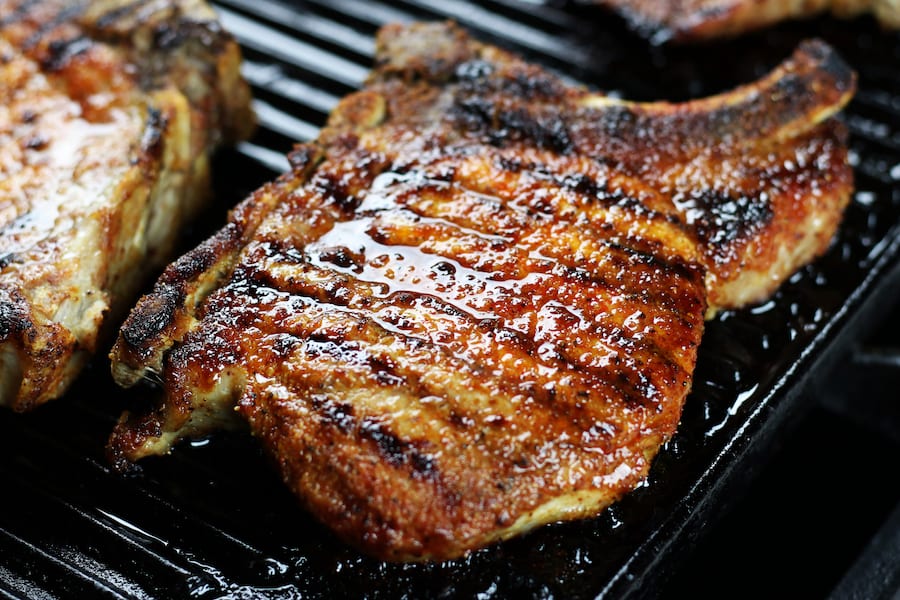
[213, 520]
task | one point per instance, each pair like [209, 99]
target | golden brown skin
[692, 20]
[109, 111]
[470, 309]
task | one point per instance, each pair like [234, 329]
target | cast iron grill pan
[213, 520]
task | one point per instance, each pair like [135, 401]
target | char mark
[152, 316]
[61, 52]
[151, 140]
[501, 126]
[14, 318]
[830, 62]
[525, 84]
[339, 414]
[615, 120]
[475, 70]
[397, 452]
[335, 190]
[343, 257]
[204, 256]
[721, 219]
[685, 270]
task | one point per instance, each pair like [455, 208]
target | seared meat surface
[474, 304]
[691, 20]
[108, 113]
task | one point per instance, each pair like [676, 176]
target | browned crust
[160, 73]
[810, 86]
[160, 318]
[741, 166]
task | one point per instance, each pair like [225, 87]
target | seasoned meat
[691, 20]
[109, 111]
[473, 306]
[760, 175]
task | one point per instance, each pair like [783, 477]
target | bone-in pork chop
[474, 304]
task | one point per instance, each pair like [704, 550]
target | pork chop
[109, 111]
[473, 306]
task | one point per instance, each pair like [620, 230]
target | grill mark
[397, 451]
[558, 406]
[386, 372]
[572, 275]
[61, 51]
[400, 453]
[454, 422]
[336, 292]
[351, 352]
[558, 419]
[623, 254]
[365, 312]
[339, 419]
[575, 182]
[342, 291]
[334, 185]
[340, 414]
[685, 270]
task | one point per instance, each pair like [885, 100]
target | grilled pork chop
[474, 304]
[109, 111]
[684, 20]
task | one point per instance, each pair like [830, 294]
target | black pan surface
[213, 519]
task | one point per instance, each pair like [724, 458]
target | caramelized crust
[690, 20]
[474, 305]
[760, 174]
[108, 113]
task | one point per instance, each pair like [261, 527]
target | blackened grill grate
[213, 520]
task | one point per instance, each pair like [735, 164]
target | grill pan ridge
[213, 520]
